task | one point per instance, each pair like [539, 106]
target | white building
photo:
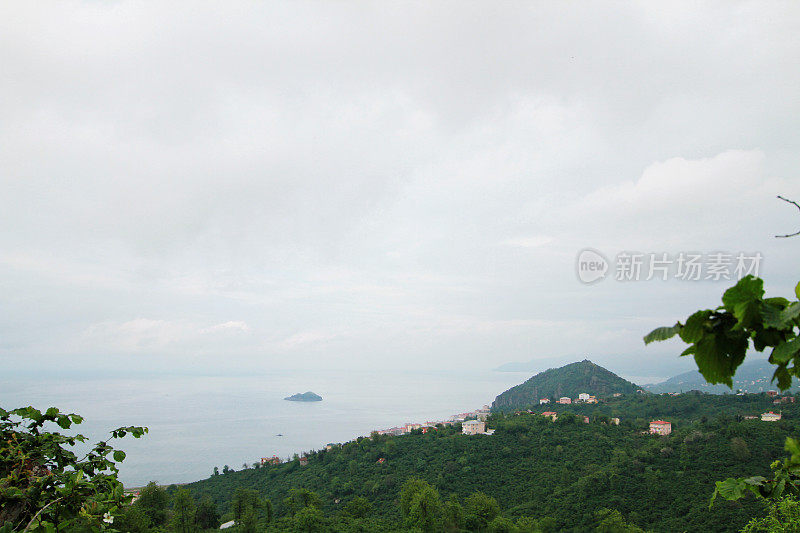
[565, 401]
[544, 400]
[770, 417]
[583, 397]
[473, 427]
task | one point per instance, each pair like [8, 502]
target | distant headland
[304, 397]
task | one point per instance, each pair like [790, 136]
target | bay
[199, 422]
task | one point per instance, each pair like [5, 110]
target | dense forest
[569, 380]
[561, 475]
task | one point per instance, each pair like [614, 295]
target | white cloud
[389, 182]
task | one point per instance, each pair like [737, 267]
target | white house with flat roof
[473, 427]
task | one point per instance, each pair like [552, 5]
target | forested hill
[561, 473]
[569, 380]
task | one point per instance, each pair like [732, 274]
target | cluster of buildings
[565, 400]
[274, 460]
[662, 427]
[479, 414]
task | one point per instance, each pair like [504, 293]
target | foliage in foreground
[44, 485]
[719, 340]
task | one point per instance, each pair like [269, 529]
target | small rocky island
[304, 397]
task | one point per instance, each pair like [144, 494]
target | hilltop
[569, 380]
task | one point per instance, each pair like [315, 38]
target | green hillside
[563, 473]
[569, 380]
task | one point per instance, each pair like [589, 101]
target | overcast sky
[250, 185]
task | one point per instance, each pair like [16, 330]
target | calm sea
[197, 423]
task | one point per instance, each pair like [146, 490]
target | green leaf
[797, 290]
[718, 355]
[785, 352]
[730, 489]
[771, 315]
[695, 327]
[748, 289]
[662, 333]
[783, 377]
[790, 313]
[119, 456]
[64, 421]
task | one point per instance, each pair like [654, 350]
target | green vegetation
[569, 380]
[44, 486]
[541, 474]
[719, 339]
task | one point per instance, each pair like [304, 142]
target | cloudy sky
[241, 186]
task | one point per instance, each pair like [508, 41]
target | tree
[502, 525]
[243, 500]
[153, 501]
[216, 470]
[249, 520]
[206, 516]
[301, 498]
[425, 512]
[183, 512]
[783, 516]
[453, 514]
[611, 521]
[45, 484]
[410, 488]
[358, 507]
[483, 507]
[309, 520]
[132, 520]
[739, 448]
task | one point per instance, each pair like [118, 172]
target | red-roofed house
[551, 414]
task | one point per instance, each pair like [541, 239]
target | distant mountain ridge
[752, 377]
[568, 380]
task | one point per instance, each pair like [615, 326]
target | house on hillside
[615, 421]
[770, 417]
[544, 400]
[552, 414]
[583, 397]
[772, 393]
[473, 427]
[660, 427]
[274, 460]
[303, 461]
[591, 399]
[564, 400]
[617, 394]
